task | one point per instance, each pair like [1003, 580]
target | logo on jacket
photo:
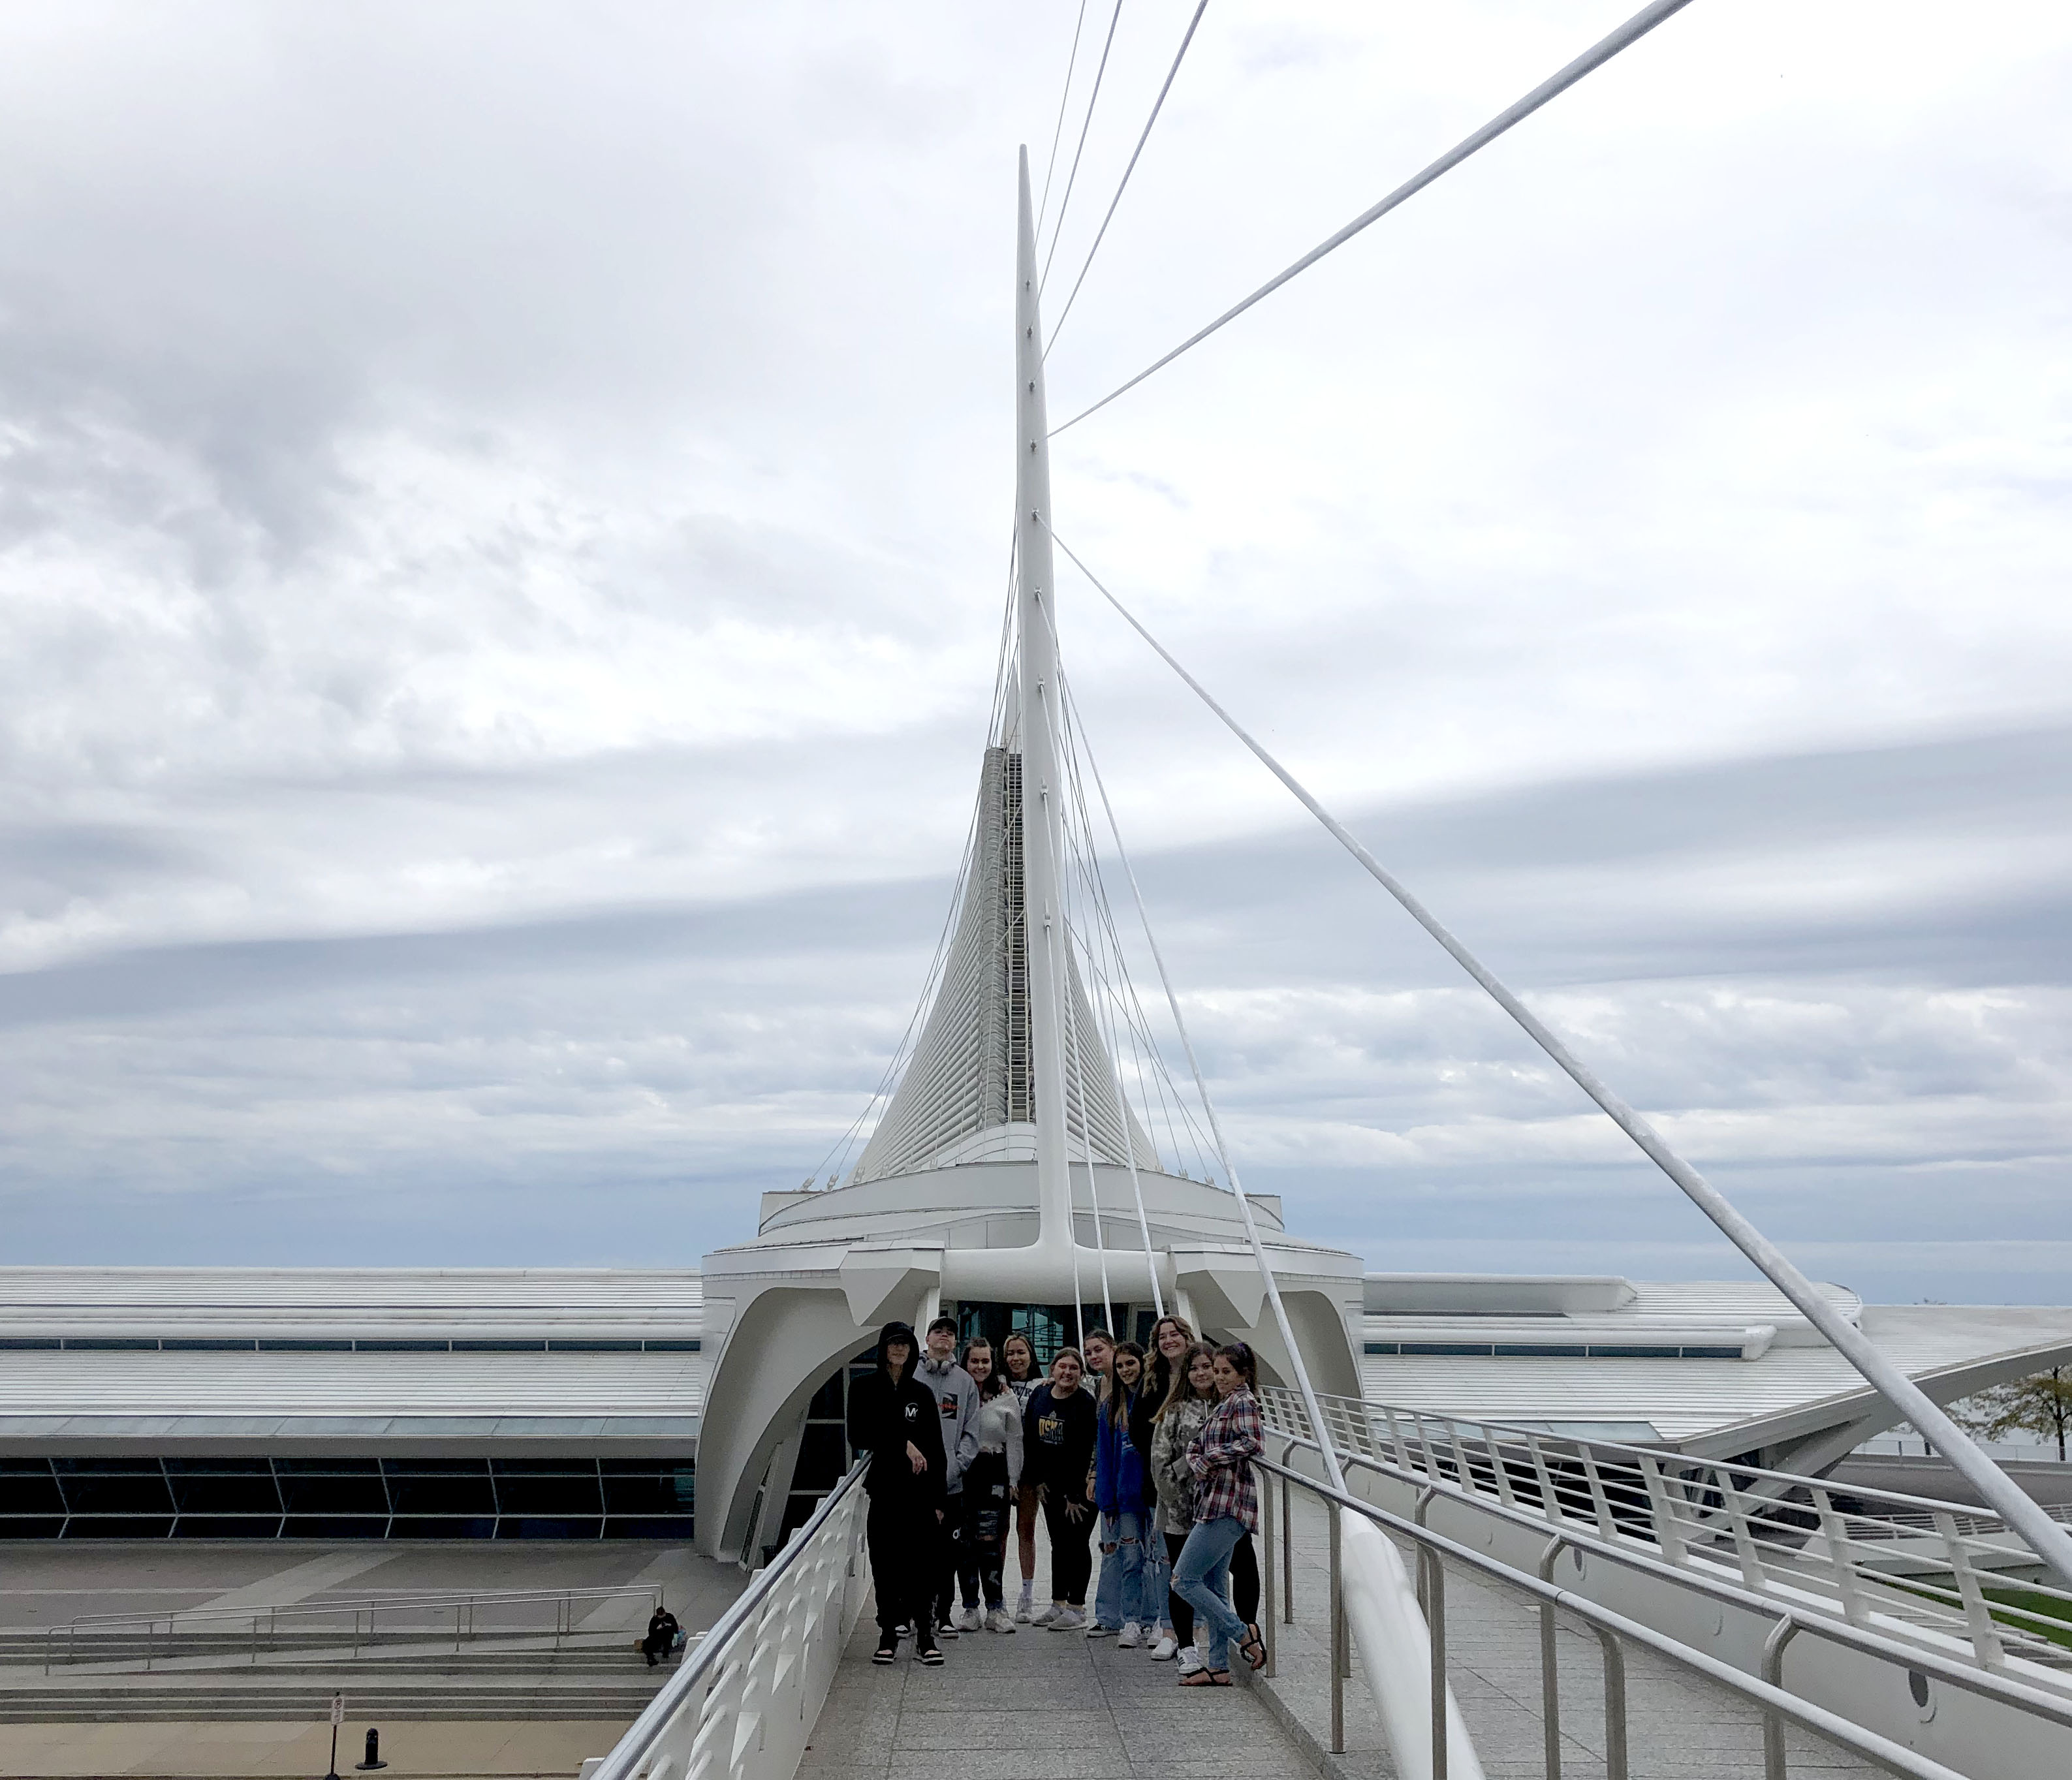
[947, 1404]
[911, 1411]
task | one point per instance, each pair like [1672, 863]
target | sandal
[1207, 1678]
[1253, 1647]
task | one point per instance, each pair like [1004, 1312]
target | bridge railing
[745, 1701]
[1904, 1568]
[340, 1627]
[1436, 1751]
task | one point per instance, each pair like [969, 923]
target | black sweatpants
[906, 1545]
[1244, 1586]
[1071, 1554]
[984, 1549]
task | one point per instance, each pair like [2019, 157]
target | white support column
[1043, 785]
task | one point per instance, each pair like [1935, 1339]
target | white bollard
[1382, 1614]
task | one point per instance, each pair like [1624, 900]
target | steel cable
[2050, 1542]
[1631, 32]
[1057, 326]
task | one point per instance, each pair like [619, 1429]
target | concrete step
[151, 1700]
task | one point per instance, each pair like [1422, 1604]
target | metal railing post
[1773, 1671]
[1266, 1531]
[1550, 1666]
[1435, 1621]
[1978, 1616]
[1337, 1611]
[1615, 1757]
[1287, 1544]
[1417, 1514]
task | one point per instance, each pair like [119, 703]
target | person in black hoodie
[893, 1418]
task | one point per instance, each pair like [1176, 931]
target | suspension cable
[1332, 1468]
[1631, 32]
[1057, 135]
[1104, 926]
[2050, 1542]
[1117, 199]
[1093, 99]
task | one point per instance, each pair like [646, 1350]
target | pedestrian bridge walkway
[1037, 1705]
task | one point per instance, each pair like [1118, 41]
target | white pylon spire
[1043, 783]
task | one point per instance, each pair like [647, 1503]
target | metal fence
[1615, 1635]
[744, 1702]
[1918, 1571]
[339, 1628]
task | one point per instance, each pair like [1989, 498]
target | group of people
[1153, 1452]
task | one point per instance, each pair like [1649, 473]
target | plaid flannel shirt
[1221, 1456]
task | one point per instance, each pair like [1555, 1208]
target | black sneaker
[887, 1651]
[929, 1655]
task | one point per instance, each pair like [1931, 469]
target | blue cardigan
[1122, 1485]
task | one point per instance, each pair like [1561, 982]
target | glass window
[547, 1496]
[442, 1495]
[225, 1495]
[334, 1527]
[335, 1466]
[116, 1495]
[483, 1527]
[651, 1528]
[220, 1466]
[118, 1526]
[823, 1458]
[544, 1467]
[519, 1528]
[827, 1404]
[227, 1527]
[435, 1467]
[302, 1495]
[651, 1495]
[127, 1462]
[30, 1526]
[30, 1495]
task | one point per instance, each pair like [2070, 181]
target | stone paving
[1039, 1705]
[1042, 1705]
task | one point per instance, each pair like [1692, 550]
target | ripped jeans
[1132, 1585]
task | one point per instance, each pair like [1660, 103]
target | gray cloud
[501, 533]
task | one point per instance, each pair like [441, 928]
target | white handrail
[744, 1703]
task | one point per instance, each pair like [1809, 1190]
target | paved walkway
[1039, 1705]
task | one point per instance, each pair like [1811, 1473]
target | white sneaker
[1167, 1647]
[1024, 1607]
[1097, 1630]
[1067, 1619]
[1042, 1616]
[1190, 1659]
[1131, 1638]
[999, 1621]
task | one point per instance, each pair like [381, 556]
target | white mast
[1043, 785]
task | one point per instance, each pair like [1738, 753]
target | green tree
[2041, 1405]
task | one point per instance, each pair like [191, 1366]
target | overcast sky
[503, 523]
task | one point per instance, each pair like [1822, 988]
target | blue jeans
[1124, 1596]
[1201, 1578]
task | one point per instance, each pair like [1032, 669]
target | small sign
[337, 1709]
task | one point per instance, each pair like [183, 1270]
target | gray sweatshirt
[957, 1397]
